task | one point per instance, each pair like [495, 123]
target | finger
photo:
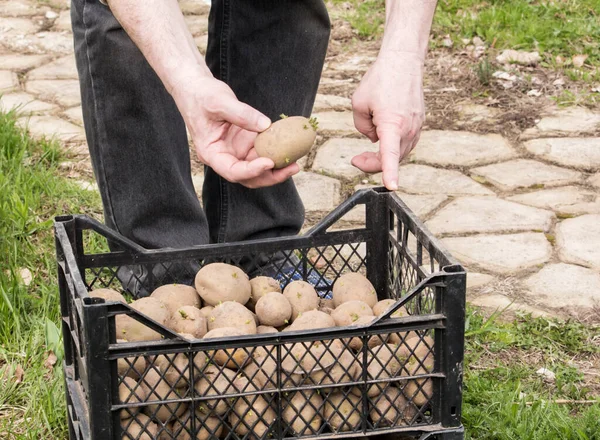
[367, 162]
[234, 170]
[243, 115]
[363, 122]
[272, 177]
[389, 146]
[239, 142]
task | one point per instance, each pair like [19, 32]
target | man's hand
[224, 129]
[389, 107]
[388, 104]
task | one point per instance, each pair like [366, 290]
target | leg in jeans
[137, 142]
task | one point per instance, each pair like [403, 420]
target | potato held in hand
[287, 140]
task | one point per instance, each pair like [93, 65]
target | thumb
[243, 115]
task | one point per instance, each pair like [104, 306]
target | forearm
[407, 27]
[158, 29]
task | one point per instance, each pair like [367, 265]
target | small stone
[422, 179]
[546, 374]
[26, 276]
[476, 112]
[319, 193]
[63, 22]
[52, 127]
[18, 8]
[578, 240]
[510, 56]
[334, 156]
[572, 120]
[24, 103]
[470, 215]
[567, 200]
[476, 280]
[51, 15]
[461, 148]
[197, 25]
[331, 102]
[75, 115]
[565, 285]
[503, 254]
[524, 173]
[66, 92]
[499, 302]
[595, 180]
[357, 63]
[85, 185]
[62, 68]
[336, 122]
[575, 152]
[19, 62]
[8, 81]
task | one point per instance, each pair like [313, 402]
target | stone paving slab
[319, 193]
[197, 24]
[422, 179]
[564, 286]
[331, 102]
[65, 92]
[19, 8]
[578, 240]
[594, 180]
[194, 7]
[333, 157]
[20, 62]
[567, 200]
[14, 29]
[582, 153]
[52, 127]
[62, 68]
[502, 254]
[75, 115]
[471, 215]
[461, 148]
[24, 103]
[525, 173]
[8, 81]
[63, 22]
[499, 302]
[333, 123]
[564, 122]
[477, 280]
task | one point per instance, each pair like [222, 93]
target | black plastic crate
[383, 387]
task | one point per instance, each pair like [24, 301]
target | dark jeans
[270, 52]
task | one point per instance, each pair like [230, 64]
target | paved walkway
[522, 214]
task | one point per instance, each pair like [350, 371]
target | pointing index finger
[389, 146]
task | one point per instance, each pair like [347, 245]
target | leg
[136, 136]
[271, 53]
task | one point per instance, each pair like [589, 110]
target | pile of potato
[226, 303]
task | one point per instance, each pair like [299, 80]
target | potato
[349, 312]
[189, 320]
[175, 296]
[391, 408]
[262, 371]
[286, 140]
[273, 309]
[231, 357]
[159, 389]
[207, 427]
[207, 311]
[251, 414]
[356, 342]
[263, 329]
[302, 296]
[139, 428]
[353, 286]
[217, 382]
[297, 358]
[261, 286]
[345, 370]
[326, 304]
[131, 392]
[176, 367]
[232, 314]
[313, 319]
[382, 306]
[108, 295]
[383, 362]
[419, 353]
[343, 413]
[303, 412]
[166, 432]
[419, 391]
[220, 282]
[133, 366]
[130, 329]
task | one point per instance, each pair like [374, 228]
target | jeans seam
[224, 73]
[97, 121]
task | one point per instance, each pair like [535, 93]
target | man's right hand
[223, 130]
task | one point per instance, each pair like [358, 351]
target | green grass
[31, 194]
[554, 27]
[500, 363]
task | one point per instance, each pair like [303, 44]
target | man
[143, 80]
